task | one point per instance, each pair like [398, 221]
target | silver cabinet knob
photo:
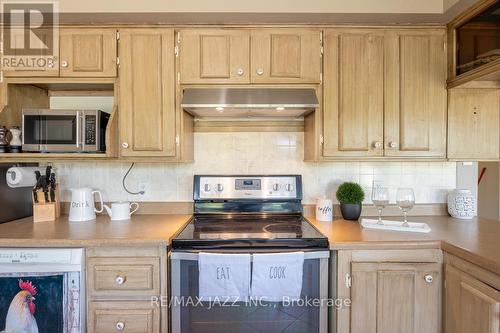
[276, 187]
[64, 64]
[220, 188]
[120, 279]
[120, 326]
[428, 278]
[393, 144]
[289, 187]
[124, 144]
[259, 71]
[207, 188]
[377, 144]
[240, 71]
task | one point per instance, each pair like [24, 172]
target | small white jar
[324, 210]
[461, 204]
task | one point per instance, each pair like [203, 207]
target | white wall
[256, 153]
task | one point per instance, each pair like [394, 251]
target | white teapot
[122, 210]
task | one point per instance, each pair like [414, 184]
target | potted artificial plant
[350, 195]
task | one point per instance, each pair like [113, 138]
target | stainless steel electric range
[248, 214]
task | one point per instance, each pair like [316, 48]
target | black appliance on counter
[15, 203]
[249, 214]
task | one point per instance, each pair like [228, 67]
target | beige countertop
[477, 241]
[141, 229]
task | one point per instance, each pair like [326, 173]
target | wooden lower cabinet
[390, 291]
[129, 317]
[472, 303]
[125, 286]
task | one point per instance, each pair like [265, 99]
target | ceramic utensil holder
[44, 211]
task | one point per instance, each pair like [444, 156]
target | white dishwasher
[46, 286]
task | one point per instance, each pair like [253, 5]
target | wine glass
[405, 198]
[380, 198]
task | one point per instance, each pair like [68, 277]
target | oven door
[52, 130]
[192, 317]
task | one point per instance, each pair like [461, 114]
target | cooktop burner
[242, 212]
[242, 231]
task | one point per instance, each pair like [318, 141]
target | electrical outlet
[143, 187]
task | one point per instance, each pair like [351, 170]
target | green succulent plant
[350, 193]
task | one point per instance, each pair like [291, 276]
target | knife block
[44, 211]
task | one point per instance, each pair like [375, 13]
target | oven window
[46, 311]
[243, 317]
[59, 130]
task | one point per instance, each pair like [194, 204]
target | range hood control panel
[247, 187]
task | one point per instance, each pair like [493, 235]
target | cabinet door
[88, 52]
[286, 56]
[473, 124]
[395, 297]
[32, 65]
[147, 93]
[123, 316]
[353, 111]
[470, 305]
[415, 93]
[214, 56]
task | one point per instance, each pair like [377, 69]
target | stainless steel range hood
[249, 102]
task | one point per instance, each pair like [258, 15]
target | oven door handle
[194, 255]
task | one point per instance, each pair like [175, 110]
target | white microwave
[48, 130]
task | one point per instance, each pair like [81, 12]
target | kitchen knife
[53, 187]
[37, 186]
[45, 186]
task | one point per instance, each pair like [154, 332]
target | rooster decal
[20, 316]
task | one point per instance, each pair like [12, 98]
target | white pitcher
[122, 210]
[82, 204]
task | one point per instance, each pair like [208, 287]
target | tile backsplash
[255, 153]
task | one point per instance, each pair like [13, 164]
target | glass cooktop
[213, 231]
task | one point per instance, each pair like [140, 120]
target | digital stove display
[247, 184]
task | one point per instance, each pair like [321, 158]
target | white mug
[324, 210]
[122, 210]
[82, 204]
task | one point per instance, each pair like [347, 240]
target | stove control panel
[247, 187]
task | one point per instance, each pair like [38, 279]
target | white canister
[461, 204]
[324, 209]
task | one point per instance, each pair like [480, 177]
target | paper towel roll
[22, 176]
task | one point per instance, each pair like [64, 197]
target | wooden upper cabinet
[473, 124]
[88, 52]
[214, 56]
[286, 56]
[415, 93]
[395, 297]
[470, 305]
[22, 67]
[353, 110]
[147, 93]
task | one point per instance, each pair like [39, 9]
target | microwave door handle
[78, 129]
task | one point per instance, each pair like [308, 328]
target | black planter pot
[351, 211]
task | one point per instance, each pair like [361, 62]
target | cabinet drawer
[127, 317]
[124, 276]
